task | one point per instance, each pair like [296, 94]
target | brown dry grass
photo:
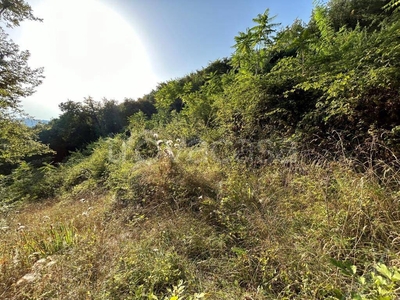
[224, 230]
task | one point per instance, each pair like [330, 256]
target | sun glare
[86, 49]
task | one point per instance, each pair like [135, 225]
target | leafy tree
[219, 67]
[349, 13]
[17, 80]
[354, 74]
[251, 46]
[74, 129]
[168, 94]
[110, 116]
[131, 107]
[13, 12]
[292, 41]
[319, 82]
[82, 123]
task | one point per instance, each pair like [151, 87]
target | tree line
[327, 87]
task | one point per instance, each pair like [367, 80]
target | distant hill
[33, 122]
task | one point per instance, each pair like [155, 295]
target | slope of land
[271, 174]
[187, 224]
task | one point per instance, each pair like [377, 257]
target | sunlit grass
[192, 226]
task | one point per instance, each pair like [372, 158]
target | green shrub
[383, 283]
[29, 183]
[144, 272]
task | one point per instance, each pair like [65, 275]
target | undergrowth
[185, 225]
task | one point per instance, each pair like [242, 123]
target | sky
[123, 48]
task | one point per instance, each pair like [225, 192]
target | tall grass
[197, 226]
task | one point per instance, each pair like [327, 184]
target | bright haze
[118, 49]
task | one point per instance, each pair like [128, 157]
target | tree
[13, 12]
[17, 80]
[74, 129]
[349, 13]
[251, 46]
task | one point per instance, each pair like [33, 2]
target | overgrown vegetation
[272, 174]
[140, 227]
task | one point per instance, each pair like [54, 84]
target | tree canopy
[17, 80]
[308, 84]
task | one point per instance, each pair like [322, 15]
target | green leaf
[353, 269]
[346, 267]
[383, 270]
[396, 276]
[238, 251]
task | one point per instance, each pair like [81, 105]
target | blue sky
[184, 35]
[123, 48]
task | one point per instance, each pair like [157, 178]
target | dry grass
[202, 227]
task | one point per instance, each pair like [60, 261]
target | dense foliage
[82, 123]
[17, 80]
[330, 86]
[271, 174]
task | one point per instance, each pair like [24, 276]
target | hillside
[33, 122]
[194, 226]
[271, 174]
